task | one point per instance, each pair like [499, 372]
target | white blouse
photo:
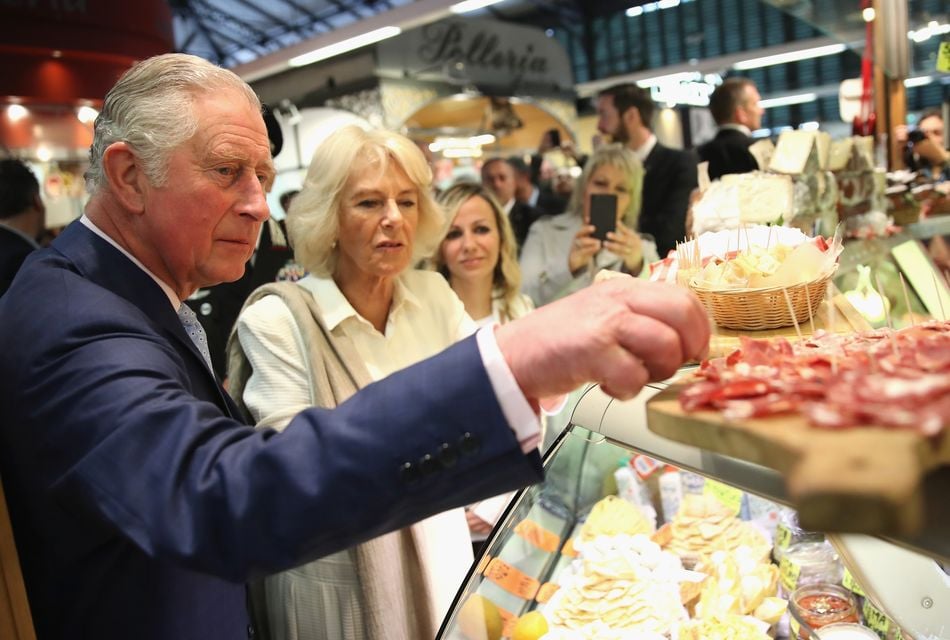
[426, 317]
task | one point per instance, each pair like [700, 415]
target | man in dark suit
[625, 113]
[540, 197]
[140, 500]
[735, 108]
[498, 176]
[22, 218]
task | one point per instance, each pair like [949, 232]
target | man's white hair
[151, 109]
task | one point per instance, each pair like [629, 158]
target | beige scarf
[395, 595]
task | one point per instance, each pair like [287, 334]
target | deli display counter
[637, 536]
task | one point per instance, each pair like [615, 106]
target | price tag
[538, 535]
[789, 572]
[568, 549]
[943, 57]
[508, 621]
[849, 583]
[482, 563]
[875, 619]
[783, 537]
[645, 466]
[512, 579]
[547, 590]
[729, 496]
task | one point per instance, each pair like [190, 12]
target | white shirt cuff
[521, 417]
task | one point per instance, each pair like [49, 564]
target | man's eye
[226, 171]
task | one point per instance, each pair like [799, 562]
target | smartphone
[603, 214]
[555, 137]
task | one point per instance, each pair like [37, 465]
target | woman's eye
[368, 204]
[407, 203]
[453, 234]
[482, 230]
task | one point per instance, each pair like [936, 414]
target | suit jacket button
[409, 472]
[448, 455]
[469, 444]
[428, 465]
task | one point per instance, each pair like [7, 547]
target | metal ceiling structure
[234, 32]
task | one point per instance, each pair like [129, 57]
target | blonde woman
[478, 255]
[479, 258]
[363, 216]
[561, 256]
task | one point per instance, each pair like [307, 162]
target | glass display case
[625, 518]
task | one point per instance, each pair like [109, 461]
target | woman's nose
[392, 215]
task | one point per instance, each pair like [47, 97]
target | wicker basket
[756, 309]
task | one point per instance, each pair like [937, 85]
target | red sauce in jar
[820, 605]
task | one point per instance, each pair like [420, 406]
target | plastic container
[671, 492]
[807, 563]
[845, 631]
[818, 605]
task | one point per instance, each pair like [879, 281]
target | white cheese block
[795, 153]
[840, 154]
[823, 146]
[762, 197]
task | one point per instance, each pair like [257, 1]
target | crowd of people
[378, 406]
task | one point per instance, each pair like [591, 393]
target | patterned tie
[195, 331]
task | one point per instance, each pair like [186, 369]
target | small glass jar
[819, 605]
[845, 631]
[810, 563]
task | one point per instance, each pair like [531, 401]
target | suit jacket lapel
[103, 264]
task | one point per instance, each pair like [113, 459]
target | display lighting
[16, 112]
[809, 126]
[462, 152]
[933, 28]
[790, 56]
[650, 7]
[43, 153]
[919, 81]
[783, 101]
[868, 14]
[472, 5]
[472, 143]
[362, 40]
[87, 114]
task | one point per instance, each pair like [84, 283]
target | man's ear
[127, 182]
[631, 118]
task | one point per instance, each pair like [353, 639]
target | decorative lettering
[452, 42]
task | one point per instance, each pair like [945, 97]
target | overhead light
[791, 56]
[43, 153]
[809, 126]
[485, 138]
[919, 81]
[461, 152]
[797, 98]
[867, 14]
[362, 40]
[650, 7]
[87, 114]
[17, 112]
[933, 28]
[472, 5]
[684, 76]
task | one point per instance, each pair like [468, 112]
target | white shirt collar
[646, 148]
[32, 241]
[508, 205]
[533, 198]
[336, 308]
[172, 296]
[738, 127]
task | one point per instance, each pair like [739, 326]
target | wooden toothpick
[913, 321]
[791, 310]
[943, 314]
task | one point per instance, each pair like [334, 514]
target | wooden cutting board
[864, 479]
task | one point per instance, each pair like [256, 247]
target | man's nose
[255, 200]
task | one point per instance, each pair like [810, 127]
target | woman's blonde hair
[506, 276]
[619, 156]
[313, 222]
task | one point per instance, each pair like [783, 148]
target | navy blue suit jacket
[669, 178]
[140, 500]
[728, 152]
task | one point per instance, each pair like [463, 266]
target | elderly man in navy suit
[625, 113]
[140, 500]
[735, 108]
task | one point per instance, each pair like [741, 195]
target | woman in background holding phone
[562, 253]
